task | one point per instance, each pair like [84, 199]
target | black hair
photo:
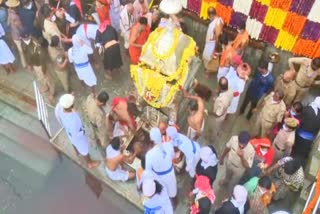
[133, 109]
[292, 166]
[242, 26]
[212, 11]
[265, 182]
[280, 94]
[223, 83]
[45, 11]
[264, 64]
[159, 187]
[143, 162]
[316, 62]
[193, 105]
[143, 20]
[298, 107]
[115, 143]
[204, 205]
[103, 97]
[55, 40]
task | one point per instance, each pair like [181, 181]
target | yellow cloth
[265, 2]
[275, 17]
[205, 6]
[285, 40]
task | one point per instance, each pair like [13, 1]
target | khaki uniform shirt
[272, 112]
[234, 158]
[306, 75]
[285, 140]
[50, 29]
[97, 118]
[288, 89]
[222, 103]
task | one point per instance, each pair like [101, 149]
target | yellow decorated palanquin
[164, 65]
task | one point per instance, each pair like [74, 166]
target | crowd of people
[262, 164]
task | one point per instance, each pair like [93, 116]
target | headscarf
[208, 157]
[202, 189]
[155, 135]
[172, 132]
[103, 25]
[239, 198]
[316, 105]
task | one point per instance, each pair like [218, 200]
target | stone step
[22, 119]
[27, 158]
[25, 139]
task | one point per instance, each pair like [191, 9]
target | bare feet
[108, 77]
[93, 164]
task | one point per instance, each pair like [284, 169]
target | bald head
[163, 126]
[130, 8]
[289, 75]
[223, 83]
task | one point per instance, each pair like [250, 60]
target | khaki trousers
[44, 79]
[263, 127]
[63, 76]
[101, 135]
[300, 93]
[233, 174]
[21, 54]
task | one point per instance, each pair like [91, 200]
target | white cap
[280, 212]
[155, 135]
[66, 100]
[148, 187]
[171, 6]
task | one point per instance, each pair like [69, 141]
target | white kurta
[158, 204]
[159, 161]
[126, 22]
[87, 32]
[72, 124]
[191, 151]
[222, 72]
[237, 85]
[82, 65]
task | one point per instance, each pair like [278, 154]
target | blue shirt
[260, 85]
[27, 17]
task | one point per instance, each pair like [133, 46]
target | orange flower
[294, 23]
[224, 12]
[304, 47]
[283, 4]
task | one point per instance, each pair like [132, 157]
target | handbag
[213, 65]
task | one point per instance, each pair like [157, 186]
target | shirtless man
[195, 119]
[124, 109]
[116, 157]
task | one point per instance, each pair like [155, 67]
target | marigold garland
[285, 41]
[275, 18]
[150, 83]
[205, 6]
[294, 23]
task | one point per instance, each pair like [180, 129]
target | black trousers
[248, 100]
[301, 149]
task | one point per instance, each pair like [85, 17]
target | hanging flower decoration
[294, 23]
[158, 90]
[285, 40]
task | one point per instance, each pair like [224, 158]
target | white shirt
[159, 158]
[91, 31]
[80, 55]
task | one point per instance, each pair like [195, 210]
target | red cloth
[103, 12]
[79, 6]
[103, 25]
[257, 143]
[135, 52]
[114, 103]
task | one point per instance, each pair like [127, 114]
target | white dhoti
[119, 130]
[118, 175]
[208, 50]
[192, 132]
[192, 162]
[222, 72]
[169, 181]
[126, 37]
[86, 73]
[81, 143]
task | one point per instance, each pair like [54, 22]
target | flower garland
[173, 47]
[150, 83]
[275, 18]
